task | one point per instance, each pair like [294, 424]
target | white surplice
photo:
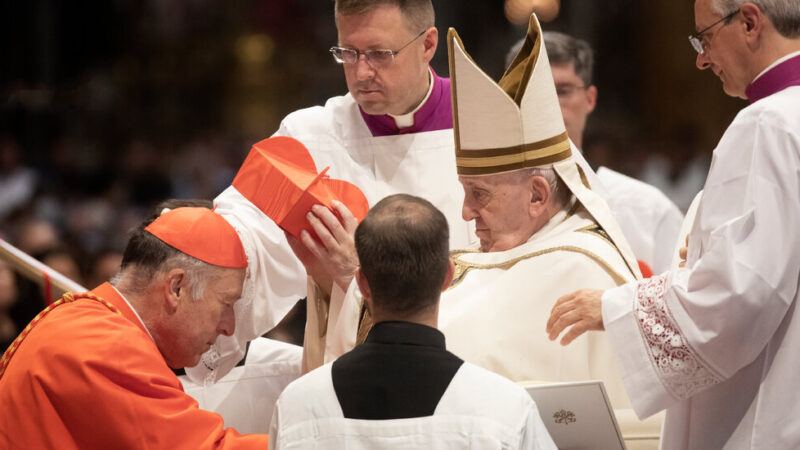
[478, 410]
[246, 396]
[421, 164]
[718, 343]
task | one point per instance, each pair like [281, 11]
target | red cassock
[88, 377]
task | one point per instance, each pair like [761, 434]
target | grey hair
[784, 14]
[563, 49]
[198, 274]
[558, 189]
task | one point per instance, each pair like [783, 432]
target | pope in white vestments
[716, 343]
[495, 313]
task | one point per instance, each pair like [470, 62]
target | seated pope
[542, 232]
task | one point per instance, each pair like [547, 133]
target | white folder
[578, 415]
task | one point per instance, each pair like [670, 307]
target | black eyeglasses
[697, 39]
[565, 91]
[375, 58]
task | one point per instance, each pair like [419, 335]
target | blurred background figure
[103, 267]
[17, 182]
[8, 298]
[35, 236]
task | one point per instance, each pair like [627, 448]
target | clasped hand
[333, 258]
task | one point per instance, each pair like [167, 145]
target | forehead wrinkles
[494, 180]
[476, 183]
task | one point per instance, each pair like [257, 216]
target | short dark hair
[403, 250]
[565, 49]
[418, 13]
[146, 251]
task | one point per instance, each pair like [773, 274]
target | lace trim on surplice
[679, 367]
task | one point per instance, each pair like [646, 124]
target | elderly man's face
[724, 49]
[196, 323]
[501, 207]
[398, 87]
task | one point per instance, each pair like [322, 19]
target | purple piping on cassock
[778, 78]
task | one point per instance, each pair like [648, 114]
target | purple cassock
[778, 78]
[435, 114]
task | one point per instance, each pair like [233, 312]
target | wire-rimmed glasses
[375, 58]
[697, 39]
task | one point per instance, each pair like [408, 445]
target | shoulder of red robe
[280, 178]
[202, 234]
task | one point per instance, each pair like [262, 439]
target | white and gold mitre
[509, 125]
[516, 123]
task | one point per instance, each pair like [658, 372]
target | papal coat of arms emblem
[565, 417]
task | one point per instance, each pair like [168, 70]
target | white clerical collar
[134, 312]
[778, 61]
[407, 120]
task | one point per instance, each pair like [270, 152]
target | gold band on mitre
[497, 160]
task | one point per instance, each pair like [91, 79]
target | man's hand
[683, 252]
[314, 267]
[337, 253]
[581, 310]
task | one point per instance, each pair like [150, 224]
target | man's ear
[431, 40]
[753, 20]
[591, 98]
[448, 278]
[175, 288]
[363, 286]
[540, 195]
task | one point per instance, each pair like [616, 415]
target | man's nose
[702, 62]
[227, 324]
[468, 212]
[364, 71]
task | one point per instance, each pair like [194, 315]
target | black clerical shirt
[401, 371]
